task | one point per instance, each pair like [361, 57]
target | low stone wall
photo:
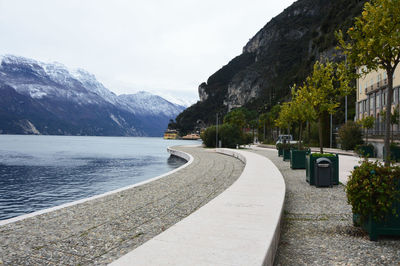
[279, 185]
[241, 226]
[180, 154]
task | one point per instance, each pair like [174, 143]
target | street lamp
[216, 135]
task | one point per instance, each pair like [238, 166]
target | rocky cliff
[280, 54]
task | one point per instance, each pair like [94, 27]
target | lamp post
[216, 135]
[345, 97]
[330, 140]
[345, 109]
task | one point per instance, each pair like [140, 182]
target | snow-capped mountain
[147, 103]
[43, 98]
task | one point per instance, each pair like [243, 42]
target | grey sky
[166, 47]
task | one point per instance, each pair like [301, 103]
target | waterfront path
[317, 226]
[241, 226]
[101, 230]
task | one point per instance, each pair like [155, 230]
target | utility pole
[264, 130]
[216, 135]
[345, 97]
[345, 109]
[330, 141]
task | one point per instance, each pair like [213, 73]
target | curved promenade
[102, 229]
[241, 226]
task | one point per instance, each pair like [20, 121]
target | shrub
[208, 137]
[316, 154]
[229, 135]
[350, 135]
[248, 138]
[372, 189]
[363, 148]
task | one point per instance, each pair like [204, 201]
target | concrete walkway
[98, 231]
[239, 227]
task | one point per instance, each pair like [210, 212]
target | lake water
[38, 172]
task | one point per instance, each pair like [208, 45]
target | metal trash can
[323, 172]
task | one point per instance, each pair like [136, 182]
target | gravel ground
[317, 227]
[102, 230]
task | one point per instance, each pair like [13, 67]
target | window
[394, 96]
[379, 77]
[378, 101]
[371, 103]
[384, 99]
[398, 95]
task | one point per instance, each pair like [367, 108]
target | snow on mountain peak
[55, 80]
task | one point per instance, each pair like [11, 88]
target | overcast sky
[165, 47]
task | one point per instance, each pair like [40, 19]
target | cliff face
[280, 54]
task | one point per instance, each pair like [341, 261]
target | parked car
[286, 139]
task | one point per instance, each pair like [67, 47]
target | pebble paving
[99, 231]
[317, 227]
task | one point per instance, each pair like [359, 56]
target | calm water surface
[38, 172]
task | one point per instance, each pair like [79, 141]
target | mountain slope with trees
[280, 54]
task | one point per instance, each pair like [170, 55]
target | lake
[38, 172]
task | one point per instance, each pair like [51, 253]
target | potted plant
[298, 158]
[285, 120]
[310, 166]
[373, 191]
[279, 148]
[286, 147]
[365, 150]
[394, 152]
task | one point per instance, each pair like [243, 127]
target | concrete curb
[241, 226]
[186, 156]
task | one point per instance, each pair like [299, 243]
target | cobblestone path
[317, 227]
[102, 230]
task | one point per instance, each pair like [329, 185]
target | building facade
[372, 97]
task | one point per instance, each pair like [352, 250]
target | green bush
[362, 149]
[316, 154]
[248, 138]
[350, 135]
[229, 135]
[208, 136]
[372, 189]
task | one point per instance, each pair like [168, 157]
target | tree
[367, 123]
[285, 118]
[264, 121]
[301, 111]
[253, 124]
[374, 42]
[236, 117]
[319, 91]
[172, 124]
[394, 119]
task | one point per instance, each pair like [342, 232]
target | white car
[286, 139]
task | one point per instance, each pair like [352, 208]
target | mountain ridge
[49, 98]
